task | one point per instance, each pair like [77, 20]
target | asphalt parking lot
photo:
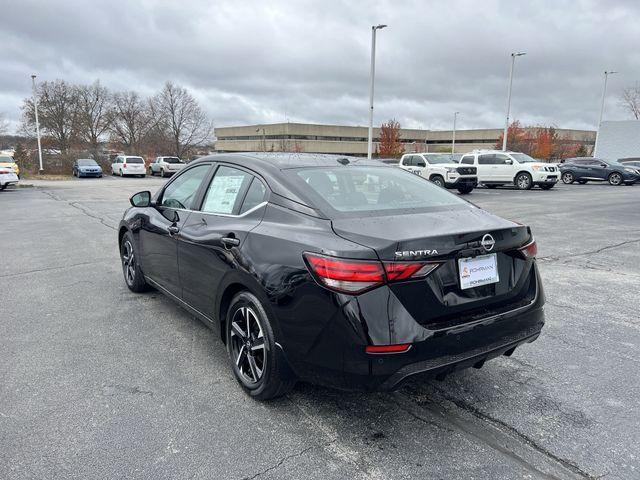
[98, 382]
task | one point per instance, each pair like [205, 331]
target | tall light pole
[374, 29]
[35, 104]
[453, 137]
[604, 94]
[506, 125]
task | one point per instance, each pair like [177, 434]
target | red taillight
[356, 276]
[530, 250]
[124, 165]
[350, 276]
[399, 348]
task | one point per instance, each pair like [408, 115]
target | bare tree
[132, 120]
[181, 118]
[4, 124]
[631, 100]
[57, 106]
[93, 114]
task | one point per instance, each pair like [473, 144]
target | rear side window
[255, 196]
[372, 189]
[487, 159]
[181, 192]
[226, 190]
[467, 160]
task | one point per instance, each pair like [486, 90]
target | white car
[441, 170]
[166, 166]
[128, 165]
[496, 168]
[7, 177]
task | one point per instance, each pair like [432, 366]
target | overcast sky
[308, 61]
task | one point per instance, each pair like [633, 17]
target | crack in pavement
[555, 258]
[80, 207]
[47, 269]
[523, 438]
[284, 459]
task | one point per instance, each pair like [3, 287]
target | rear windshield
[370, 189]
[172, 160]
[133, 160]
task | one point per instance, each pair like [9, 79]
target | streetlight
[604, 93]
[264, 139]
[506, 125]
[453, 138]
[35, 104]
[374, 28]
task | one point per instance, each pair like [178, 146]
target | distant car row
[494, 168]
[128, 165]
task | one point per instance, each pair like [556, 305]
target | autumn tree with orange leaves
[390, 144]
[543, 143]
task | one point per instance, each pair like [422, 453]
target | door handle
[173, 230]
[229, 242]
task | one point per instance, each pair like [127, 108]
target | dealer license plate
[478, 271]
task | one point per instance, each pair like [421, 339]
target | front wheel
[252, 349]
[568, 178]
[437, 180]
[133, 276]
[524, 181]
[464, 189]
[615, 179]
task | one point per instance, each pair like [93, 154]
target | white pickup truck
[441, 170]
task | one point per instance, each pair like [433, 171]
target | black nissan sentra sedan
[339, 271]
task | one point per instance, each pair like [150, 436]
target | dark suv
[586, 169]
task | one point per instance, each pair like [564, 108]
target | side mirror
[604, 165]
[508, 161]
[141, 199]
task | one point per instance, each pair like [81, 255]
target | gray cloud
[309, 61]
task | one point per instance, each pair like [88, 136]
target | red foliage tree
[390, 144]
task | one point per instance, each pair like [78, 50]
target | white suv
[166, 166]
[496, 168]
[128, 165]
[441, 170]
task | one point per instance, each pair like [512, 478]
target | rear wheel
[163, 173]
[615, 179]
[464, 189]
[524, 181]
[133, 276]
[252, 349]
[3, 186]
[437, 180]
[568, 178]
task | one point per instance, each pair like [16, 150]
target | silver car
[166, 166]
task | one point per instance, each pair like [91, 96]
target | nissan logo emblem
[487, 242]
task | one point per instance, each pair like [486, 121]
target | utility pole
[374, 28]
[506, 125]
[453, 138]
[35, 104]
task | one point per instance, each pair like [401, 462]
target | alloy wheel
[247, 345]
[129, 262]
[615, 178]
[567, 177]
[523, 182]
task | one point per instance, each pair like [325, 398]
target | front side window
[182, 191]
[224, 192]
[372, 189]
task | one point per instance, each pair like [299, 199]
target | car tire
[615, 179]
[547, 187]
[162, 173]
[248, 329]
[437, 180]
[2, 187]
[463, 190]
[133, 275]
[568, 178]
[524, 181]
[151, 172]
